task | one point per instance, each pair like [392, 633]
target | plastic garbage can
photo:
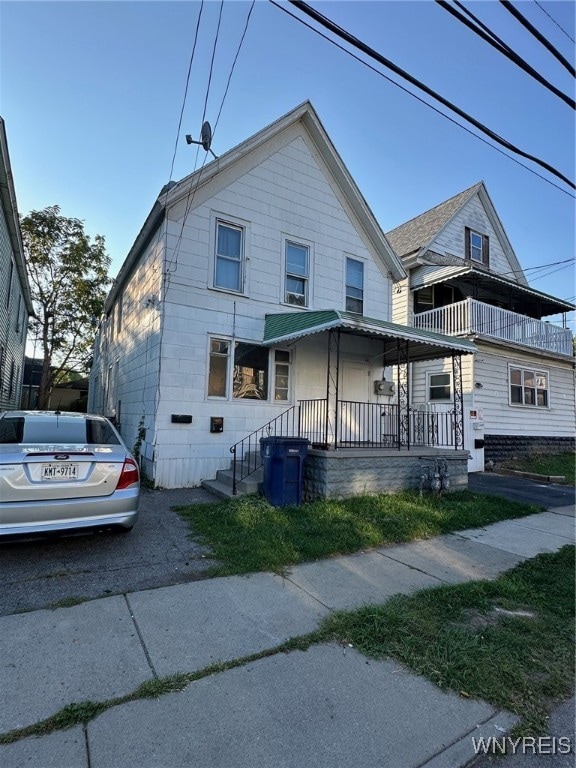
[283, 464]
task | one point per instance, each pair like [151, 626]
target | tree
[68, 277]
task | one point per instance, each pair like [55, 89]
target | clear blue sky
[91, 94]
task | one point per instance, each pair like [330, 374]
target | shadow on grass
[248, 534]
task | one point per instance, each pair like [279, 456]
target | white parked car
[61, 471]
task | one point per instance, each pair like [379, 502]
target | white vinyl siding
[451, 240]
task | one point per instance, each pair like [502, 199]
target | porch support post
[458, 402]
[332, 371]
[403, 386]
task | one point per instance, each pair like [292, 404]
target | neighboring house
[15, 299]
[63, 395]
[257, 299]
[465, 280]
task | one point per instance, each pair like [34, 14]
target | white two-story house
[257, 300]
[464, 279]
[15, 299]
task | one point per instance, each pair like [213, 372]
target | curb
[533, 476]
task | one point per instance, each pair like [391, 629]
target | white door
[357, 418]
[473, 434]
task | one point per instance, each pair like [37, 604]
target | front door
[356, 413]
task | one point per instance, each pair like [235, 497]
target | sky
[91, 93]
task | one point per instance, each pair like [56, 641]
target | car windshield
[57, 430]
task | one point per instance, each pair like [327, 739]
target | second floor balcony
[475, 317]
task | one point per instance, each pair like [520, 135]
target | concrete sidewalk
[328, 706]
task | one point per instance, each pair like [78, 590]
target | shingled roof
[409, 237]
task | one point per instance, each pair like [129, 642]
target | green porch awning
[422, 345]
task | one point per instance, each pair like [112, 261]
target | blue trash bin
[283, 464]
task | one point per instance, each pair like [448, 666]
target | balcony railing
[471, 316]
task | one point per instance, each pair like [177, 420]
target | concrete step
[221, 490]
[248, 485]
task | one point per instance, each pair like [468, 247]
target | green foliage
[508, 641]
[68, 275]
[248, 534]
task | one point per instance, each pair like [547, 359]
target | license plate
[59, 471]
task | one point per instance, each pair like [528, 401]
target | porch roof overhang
[422, 345]
[493, 286]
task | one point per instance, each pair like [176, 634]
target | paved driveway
[520, 489]
[38, 573]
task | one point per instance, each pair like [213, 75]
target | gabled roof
[284, 327]
[305, 113]
[413, 238]
[420, 231]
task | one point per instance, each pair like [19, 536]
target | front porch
[367, 444]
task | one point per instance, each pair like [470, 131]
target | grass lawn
[248, 534]
[547, 464]
[461, 637]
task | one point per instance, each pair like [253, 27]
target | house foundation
[353, 472]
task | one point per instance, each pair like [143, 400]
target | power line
[419, 98]
[492, 39]
[553, 20]
[345, 35]
[233, 66]
[538, 35]
[186, 89]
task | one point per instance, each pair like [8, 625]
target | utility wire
[186, 89]
[553, 20]
[419, 98]
[540, 37]
[492, 39]
[190, 199]
[233, 66]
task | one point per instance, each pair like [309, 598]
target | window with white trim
[528, 387]
[297, 258]
[354, 286]
[218, 368]
[281, 375]
[241, 370]
[439, 387]
[250, 375]
[477, 246]
[229, 263]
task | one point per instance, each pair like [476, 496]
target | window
[111, 324]
[439, 387]
[354, 286]
[229, 257]
[119, 313]
[18, 313]
[218, 368]
[9, 283]
[250, 378]
[281, 375]
[297, 272]
[477, 246]
[11, 380]
[528, 387]
[249, 371]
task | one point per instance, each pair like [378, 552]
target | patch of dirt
[476, 620]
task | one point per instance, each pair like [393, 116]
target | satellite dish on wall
[205, 138]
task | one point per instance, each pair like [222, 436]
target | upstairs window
[477, 246]
[297, 274]
[9, 283]
[354, 286]
[528, 387]
[229, 257]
